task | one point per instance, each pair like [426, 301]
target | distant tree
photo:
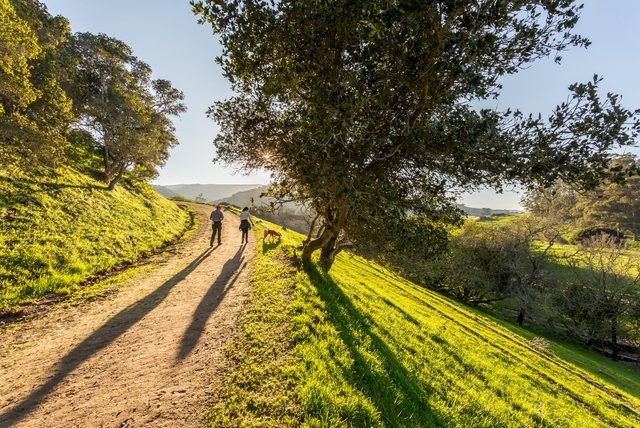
[34, 109]
[486, 211]
[361, 110]
[126, 112]
[600, 305]
[558, 202]
[616, 205]
[612, 204]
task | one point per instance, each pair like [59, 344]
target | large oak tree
[362, 110]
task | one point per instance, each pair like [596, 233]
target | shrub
[601, 302]
[590, 232]
[497, 261]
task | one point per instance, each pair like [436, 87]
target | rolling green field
[361, 347]
[62, 226]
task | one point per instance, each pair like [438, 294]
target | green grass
[260, 388]
[58, 228]
[361, 347]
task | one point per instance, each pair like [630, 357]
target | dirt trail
[143, 357]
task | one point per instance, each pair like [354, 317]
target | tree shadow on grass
[394, 391]
[209, 303]
[99, 340]
[48, 186]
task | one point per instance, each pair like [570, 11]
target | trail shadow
[394, 391]
[209, 303]
[98, 340]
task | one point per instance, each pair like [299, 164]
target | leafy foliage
[610, 205]
[361, 110]
[18, 45]
[497, 261]
[591, 232]
[34, 109]
[602, 304]
[122, 108]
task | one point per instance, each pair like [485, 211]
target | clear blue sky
[165, 34]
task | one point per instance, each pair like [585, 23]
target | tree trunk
[311, 228]
[520, 318]
[313, 246]
[112, 184]
[326, 242]
[328, 253]
[107, 166]
[614, 341]
[635, 233]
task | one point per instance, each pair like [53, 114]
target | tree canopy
[125, 111]
[34, 109]
[362, 109]
[54, 84]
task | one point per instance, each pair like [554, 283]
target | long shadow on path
[209, 303]
[98, 340]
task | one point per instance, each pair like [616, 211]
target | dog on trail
[271, 234]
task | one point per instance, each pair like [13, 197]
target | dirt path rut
[143, 357]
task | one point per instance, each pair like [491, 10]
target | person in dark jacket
[245, 218]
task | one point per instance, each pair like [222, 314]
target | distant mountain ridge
[481, 211]
[243, 198]
[241, 194]
[209, 192]
[167, 193]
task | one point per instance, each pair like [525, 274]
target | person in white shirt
[245, 218]
[216, 218]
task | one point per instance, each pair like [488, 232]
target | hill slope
[243, 198]
[361, 347]
[58, 228]
[167, 193]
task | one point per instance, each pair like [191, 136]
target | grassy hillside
[60, 227]
[361, 347]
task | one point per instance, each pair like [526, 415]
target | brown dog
[270, 233]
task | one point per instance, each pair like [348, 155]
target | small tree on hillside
[558, 203]
[125, 111]
[617, 205]
[361, 109]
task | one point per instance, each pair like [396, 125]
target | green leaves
[366, 104]
[18, 45]
[34, 110]
[122, 107]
